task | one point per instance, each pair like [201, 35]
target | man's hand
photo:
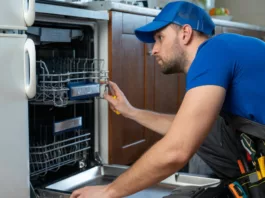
[92, 192]
[120, 103]
[157, 122]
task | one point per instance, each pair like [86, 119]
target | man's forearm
[154, 166]
[157, 122]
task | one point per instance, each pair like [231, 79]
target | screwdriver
[249, 146]
[113, 96]
[261, 158]
[261, 162]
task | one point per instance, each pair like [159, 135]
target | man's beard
[175, 65]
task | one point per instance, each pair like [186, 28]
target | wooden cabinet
[246, 32]
[127, 139]
[233, 30]
[139, 77]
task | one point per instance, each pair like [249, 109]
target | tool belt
[251, 135]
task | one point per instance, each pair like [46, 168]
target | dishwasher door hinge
[98, 159]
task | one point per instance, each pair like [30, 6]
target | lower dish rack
[66, 149]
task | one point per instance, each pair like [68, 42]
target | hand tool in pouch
[261, 157]
[237, 190]
[241, 166]
[250, 147]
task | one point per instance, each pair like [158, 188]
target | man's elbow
[178, 158]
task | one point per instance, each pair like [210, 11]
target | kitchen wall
[249, 11]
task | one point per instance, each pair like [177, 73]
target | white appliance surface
[17, 14]
[14, 141]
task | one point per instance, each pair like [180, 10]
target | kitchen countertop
[107, 5]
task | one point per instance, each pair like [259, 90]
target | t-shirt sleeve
[213, 65]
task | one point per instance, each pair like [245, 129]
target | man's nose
[154, 50]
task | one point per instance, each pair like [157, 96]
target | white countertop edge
[107, 5]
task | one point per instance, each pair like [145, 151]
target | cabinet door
[246, 32]
[233, 30]
[254, 33]
[168, 90]
[139, 77]
[127, 139]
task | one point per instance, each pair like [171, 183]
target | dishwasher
[63, 116]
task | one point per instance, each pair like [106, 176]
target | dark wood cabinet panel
[127, 139]
[233, 30]
[138, 75]
[150, 87]
[181, 88]
[130, 22]
[246, 32]
[257, 34]
[132, 84]
[166, 92]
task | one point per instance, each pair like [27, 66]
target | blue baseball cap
[180, 13]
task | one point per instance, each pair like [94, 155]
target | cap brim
[146, 33]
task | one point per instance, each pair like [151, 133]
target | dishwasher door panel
[103, 175]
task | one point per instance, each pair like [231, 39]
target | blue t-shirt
[236, 63]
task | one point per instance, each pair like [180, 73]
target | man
[223, 73]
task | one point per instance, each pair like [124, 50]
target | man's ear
[186, 34]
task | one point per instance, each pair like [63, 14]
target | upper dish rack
[61, 80]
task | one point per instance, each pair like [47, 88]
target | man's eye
[160, 38]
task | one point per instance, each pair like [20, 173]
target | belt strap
[245, 125]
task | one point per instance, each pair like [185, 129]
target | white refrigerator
[18, 83]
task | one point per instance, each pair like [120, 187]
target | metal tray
[102, 175]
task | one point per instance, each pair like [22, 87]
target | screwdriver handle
[261, 162]
[237, 190]
[241, 166]
[116, 111]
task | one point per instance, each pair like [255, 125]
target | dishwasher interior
[62, 116]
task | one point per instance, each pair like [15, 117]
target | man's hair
[197, 33]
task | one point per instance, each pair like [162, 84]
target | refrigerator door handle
[30, 68]
[29, 12]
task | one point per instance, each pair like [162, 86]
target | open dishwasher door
[175, 185]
